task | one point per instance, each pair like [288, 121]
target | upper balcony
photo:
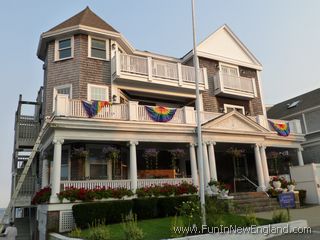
[131, 70]
[234, 86]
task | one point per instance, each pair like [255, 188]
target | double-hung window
[98, 92]
[64, 49]
[98, 48]
[230, 108]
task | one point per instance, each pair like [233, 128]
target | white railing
[162, 181]
[207, 116]
[116, 111]
[154, 68]
[91, 184]
[144, 117]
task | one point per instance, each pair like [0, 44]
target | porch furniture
[158, 173]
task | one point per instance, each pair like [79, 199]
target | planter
[214, 189]
[224, 193]
[276, 184]
[291, 188]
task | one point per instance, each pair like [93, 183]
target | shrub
[75, 233]
[280, 216]
[111, 211]
[99, 233]
[250, 218]
[130, 227]
[214, 211]
[190, 213]
[145, 208]
[169, 206]
[42, 196]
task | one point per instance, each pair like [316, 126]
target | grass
[159, 228]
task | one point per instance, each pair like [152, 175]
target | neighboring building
[87, 59]
[306, 108]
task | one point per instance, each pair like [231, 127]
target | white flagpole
[199, 133]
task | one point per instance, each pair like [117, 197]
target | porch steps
[255, 201]
[23, 227]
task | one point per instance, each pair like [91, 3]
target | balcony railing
[132, 111]
[149, 69]
[242, 87]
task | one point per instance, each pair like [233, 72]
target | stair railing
[255, 185]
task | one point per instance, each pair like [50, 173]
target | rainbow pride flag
[160, 114]
[282, 128]
[94, 107]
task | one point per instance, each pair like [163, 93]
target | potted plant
[291, 185]
[214, 185]
[275, 182]
[224, 190]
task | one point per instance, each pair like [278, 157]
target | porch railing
[91, 184]
[162, 181]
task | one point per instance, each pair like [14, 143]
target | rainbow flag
[94, 107]
[160, 114]
[282, 128]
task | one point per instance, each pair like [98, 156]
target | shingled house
[306, 108]
[102, 95]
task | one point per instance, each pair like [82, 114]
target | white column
[109, 169]
[133, 166]
[261, 186]
[193, 163]
[45, 173]
[264, 166]
[212, 161]
[300, 158]
[56, 170]
[206, 165]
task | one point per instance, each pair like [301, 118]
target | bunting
[160, 114]
[282, 128]
[94, 107]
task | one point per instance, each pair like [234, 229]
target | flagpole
[199, 133]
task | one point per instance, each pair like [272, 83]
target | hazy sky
[283, 35]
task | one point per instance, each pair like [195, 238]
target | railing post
[118, 63]
[149, 64]
[254, 87]
[179, 74]
[221, 81]
[62, 105]
[205, 78]
[133, 110]
[189, 115]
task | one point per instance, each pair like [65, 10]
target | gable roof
[87, 18]
[234, 121]
[223, 45]
[306, 100]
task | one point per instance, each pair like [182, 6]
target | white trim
[225, 106]
[107, 41]
[55, 93]
[264, 111]
[300, 112]
[56, 48]
[89, 85]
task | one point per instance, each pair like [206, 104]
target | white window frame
[98, 86]
[221, 64]
[225, 106]
[107, 57]
[56, 48]
[55, 93]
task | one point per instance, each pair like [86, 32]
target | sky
[283, 35]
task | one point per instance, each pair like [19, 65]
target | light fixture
[114, 98]
[113, 46]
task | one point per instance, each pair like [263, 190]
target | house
[101, 97]
[306, 108]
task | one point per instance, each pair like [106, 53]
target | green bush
[99, 233]
[130, 227]
[111, 212]
[145, 208]
[75, 233]
[250, 218]
[169, 206]
[280, 216]
[214, 211]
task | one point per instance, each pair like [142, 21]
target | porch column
[212, 161]
[109, 169]
[206, 165]
[45, 173]
[300, 158]
[56, 170]
[261, 186]
[133, 165]
[264, 166]
[193, 163]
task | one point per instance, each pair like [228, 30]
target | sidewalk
[310, 213]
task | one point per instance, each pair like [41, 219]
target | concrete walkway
[309, 213]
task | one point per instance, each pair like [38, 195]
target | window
[229, 70]
[64, 49]
[98, 92]
[97, 161]
[98, 48]
[229, 108]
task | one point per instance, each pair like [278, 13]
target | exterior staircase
[255, 201]
[23, 228]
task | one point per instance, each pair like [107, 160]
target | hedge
[113, 211]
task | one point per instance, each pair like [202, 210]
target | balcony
[234, 86]
[149, 71]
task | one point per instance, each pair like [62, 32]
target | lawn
[159, 228]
